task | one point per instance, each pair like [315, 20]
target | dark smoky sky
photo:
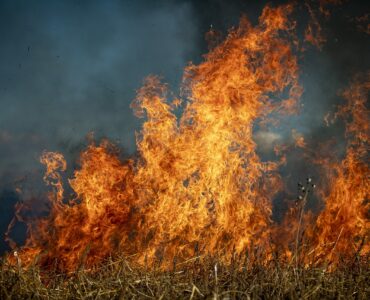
[71, 67]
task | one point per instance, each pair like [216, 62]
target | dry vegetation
[196, 279]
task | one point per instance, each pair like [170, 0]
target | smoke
[68, 68]
[71, 67]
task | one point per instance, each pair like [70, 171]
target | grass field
[196, 279]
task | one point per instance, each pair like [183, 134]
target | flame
[342, 229]
[314, 33]
[340, 233]
[362, 23]
[298, 138]
[318, 11]
[198, 185]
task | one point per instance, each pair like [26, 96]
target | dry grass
[196, 279]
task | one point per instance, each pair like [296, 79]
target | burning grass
[205, 278]
[198, 187]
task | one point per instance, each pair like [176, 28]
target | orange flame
[342, 229]
[198, 185]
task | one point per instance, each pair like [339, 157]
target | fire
[299, 139]
[342, 229]
[198, 185]
[204, 175]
